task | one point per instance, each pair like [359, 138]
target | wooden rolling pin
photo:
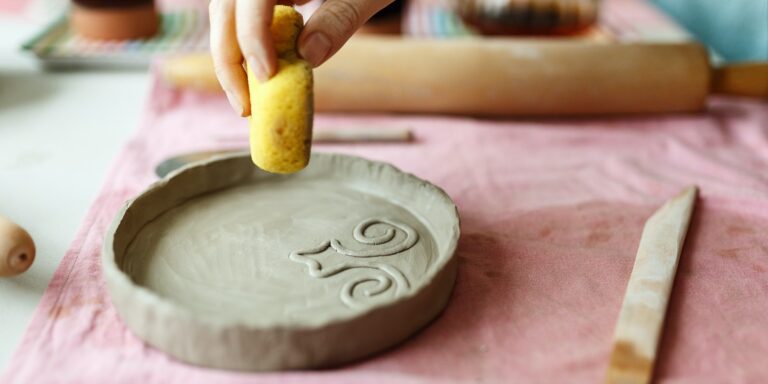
[17, 250]
[503, 77]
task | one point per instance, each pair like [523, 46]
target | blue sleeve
[736, 29]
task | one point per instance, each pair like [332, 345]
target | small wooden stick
[369, 135]
[17, 250]
[349, 135]
[645, 302]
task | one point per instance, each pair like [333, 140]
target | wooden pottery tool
[528, 17]
[642, 313]
[17, 250]
[504, 77]
[363, 135]
[336, 136]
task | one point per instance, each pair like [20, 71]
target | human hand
[240, 30]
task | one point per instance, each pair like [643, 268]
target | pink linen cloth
[552, 211]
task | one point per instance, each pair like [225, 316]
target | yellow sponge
[281, 108]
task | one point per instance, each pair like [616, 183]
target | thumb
[332, 25]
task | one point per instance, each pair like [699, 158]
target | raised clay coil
[223, 265]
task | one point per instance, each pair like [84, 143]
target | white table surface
[59, 133]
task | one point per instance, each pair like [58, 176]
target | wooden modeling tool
[354, 135]
[363, 135]
[642, 313]
[335, 136]
[17, 250]
[504, 77]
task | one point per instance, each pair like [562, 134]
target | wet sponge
[281, 108]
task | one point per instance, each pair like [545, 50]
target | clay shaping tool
[645, 302]
[17, 250]
[346, 135]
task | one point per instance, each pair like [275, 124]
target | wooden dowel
[347, 135]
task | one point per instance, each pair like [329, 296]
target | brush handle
[17, 250]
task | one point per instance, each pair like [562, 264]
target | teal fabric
[736, 29]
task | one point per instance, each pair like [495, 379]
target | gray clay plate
[223, 265]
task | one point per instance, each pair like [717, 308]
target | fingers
[253, 19]
[227, 59]
[332, 25]
[240, 29]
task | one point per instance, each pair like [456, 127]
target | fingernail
[258, 69]
[315, 48]
[234, 102]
